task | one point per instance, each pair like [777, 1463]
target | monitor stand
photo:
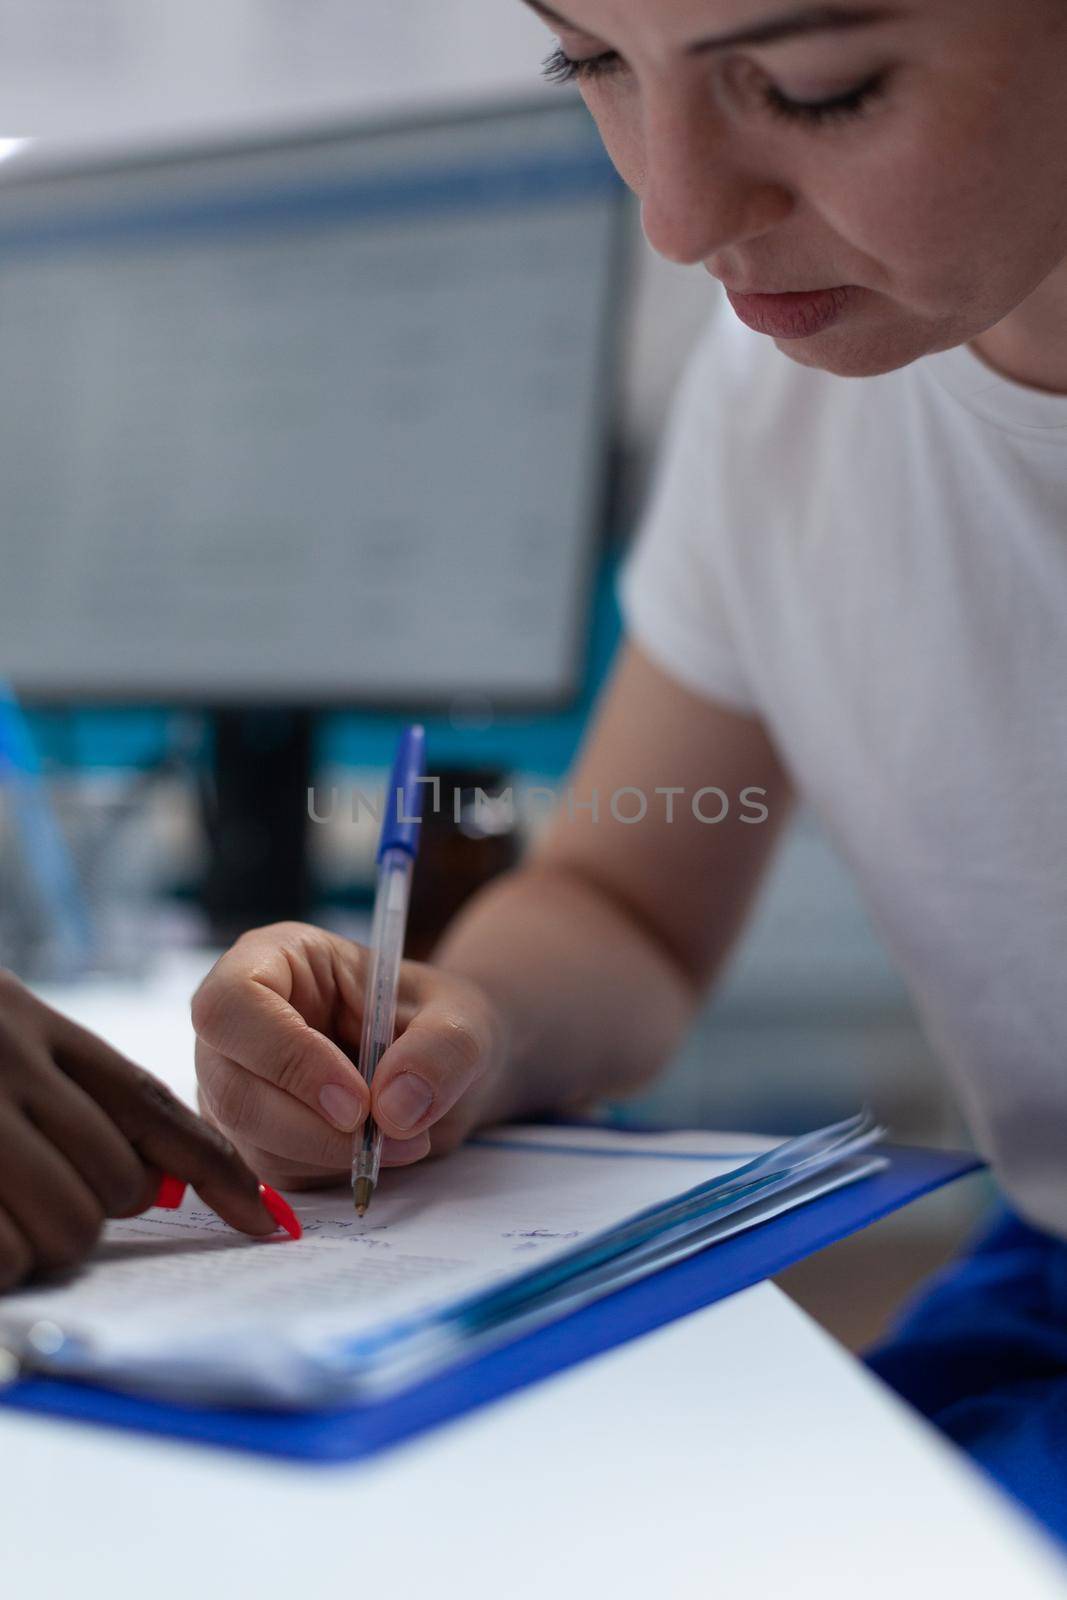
[255, 815]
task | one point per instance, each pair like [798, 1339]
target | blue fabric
[983, 1355]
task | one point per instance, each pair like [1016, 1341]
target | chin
[857, 353]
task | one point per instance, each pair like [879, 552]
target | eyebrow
[773, 30]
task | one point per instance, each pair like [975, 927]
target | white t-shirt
[878, 569]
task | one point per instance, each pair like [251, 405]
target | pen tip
[361, 1211]
[361, 1195]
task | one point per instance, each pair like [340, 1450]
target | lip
[797, 315]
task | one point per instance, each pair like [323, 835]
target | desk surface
[740, 1444]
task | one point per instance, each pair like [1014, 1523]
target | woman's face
[896, 172]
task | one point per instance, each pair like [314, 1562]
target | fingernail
[406, 1101]
[342, 1107]
[281, 1211]
[170, 1194]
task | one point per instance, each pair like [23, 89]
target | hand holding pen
[279, 1023]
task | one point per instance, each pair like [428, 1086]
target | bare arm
[597, 951]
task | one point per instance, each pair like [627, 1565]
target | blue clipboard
[356, 1432]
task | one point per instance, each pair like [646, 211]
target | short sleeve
[674, 601]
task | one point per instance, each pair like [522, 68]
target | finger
[75, 1125]
[53, 1208]
[187, 1148]
[284, 1174]
[254, 1112]
[16, 1257]
[168, 1136]
[244, 1019]
[440, 1054]
[405, 1152]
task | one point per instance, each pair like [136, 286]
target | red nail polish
[281, 1211]
[170, 1194]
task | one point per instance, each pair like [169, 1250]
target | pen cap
[403, 797]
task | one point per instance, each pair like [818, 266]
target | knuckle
[289, 1069]
[459, 1041]
[208, 1005]
[232, 1101]
[284, 930]
[252, 945]
[154, 1094]
[154, 1102]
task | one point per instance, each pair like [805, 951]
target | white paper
[178, 1303]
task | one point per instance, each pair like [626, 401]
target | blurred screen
[315, 423]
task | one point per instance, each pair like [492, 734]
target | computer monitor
[310, 423]
[319, 422]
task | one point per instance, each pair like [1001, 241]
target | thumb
[441, 1053]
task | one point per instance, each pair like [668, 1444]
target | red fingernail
[170, 1194]
[281, 1211]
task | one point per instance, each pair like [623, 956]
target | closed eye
[836, 108]
[562, 68]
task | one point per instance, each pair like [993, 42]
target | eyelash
[561, 68]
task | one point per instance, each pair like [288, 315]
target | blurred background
[337, 367]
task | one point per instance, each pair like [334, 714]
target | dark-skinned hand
[85, 1135]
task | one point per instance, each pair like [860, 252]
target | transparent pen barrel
[379, 1016]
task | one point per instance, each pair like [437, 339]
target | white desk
[740, 1445]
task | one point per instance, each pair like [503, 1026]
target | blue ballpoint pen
[397, 849]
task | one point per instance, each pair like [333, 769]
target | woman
[855, 592]
[852, 591]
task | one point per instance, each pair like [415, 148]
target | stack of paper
[516, 1229]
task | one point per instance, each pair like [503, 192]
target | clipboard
[355, 1433]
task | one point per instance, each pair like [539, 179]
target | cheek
[618, 119]
[953, 211]
[920, 231]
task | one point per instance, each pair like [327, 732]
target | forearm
[590, 1002]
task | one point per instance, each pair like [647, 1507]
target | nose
[698, 194]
